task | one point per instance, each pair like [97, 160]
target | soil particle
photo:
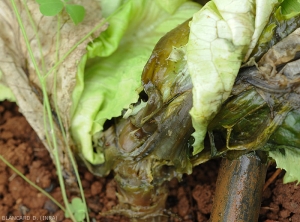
[111, 190]
[189, 200]
[204, 199]
[183, 203]
[96, 188]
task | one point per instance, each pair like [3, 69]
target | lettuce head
[224, 35]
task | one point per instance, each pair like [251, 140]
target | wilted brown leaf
[18, 69]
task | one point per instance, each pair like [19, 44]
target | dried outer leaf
[281, 53]
[20, 75]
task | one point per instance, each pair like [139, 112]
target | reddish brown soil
[191, 199]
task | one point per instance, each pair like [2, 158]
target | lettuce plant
[189, 87]
[169, 85]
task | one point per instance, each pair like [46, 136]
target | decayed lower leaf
[19, 72]
[263, 111]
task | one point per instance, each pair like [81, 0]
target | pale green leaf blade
[79, 216]
[78, 208]
[289, 161]
[170, 5]
[76, 12]
[50, 7]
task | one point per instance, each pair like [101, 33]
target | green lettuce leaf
[290, 8]
[222, 34]
[289, 161]
[285, 143]
[111, 81]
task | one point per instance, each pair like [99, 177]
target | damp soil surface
[189, 200]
